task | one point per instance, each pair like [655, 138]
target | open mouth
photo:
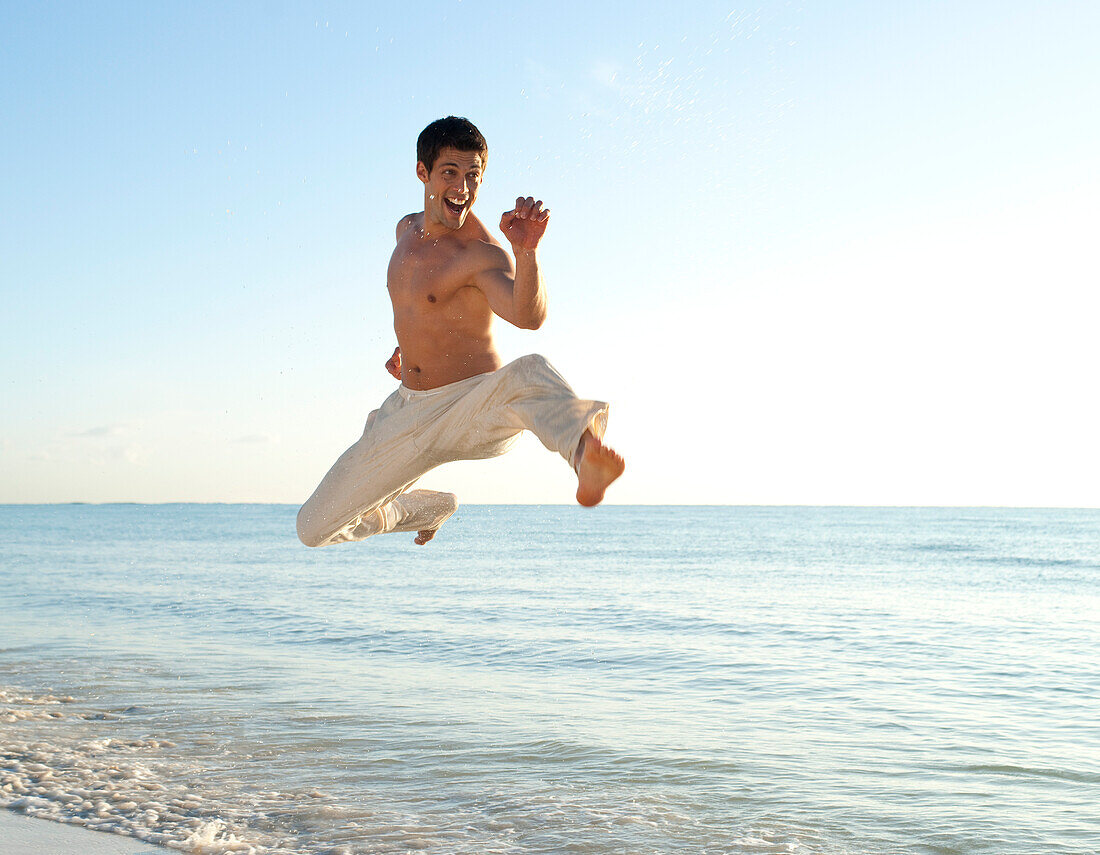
[454, 207]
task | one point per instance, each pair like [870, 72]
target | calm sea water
[550, 679]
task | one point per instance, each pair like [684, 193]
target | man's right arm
[393, 364]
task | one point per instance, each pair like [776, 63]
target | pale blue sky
[811, 253]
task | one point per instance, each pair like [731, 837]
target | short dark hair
[451, 132]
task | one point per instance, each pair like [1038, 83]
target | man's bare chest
[429, 274]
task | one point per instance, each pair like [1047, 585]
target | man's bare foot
[598, 467]
[423, 537]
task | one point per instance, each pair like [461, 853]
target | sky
[811, 253]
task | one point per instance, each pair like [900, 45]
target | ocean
[557, 680]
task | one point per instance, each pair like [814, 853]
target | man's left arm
[516, 293]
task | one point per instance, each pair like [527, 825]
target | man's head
[451, 132]
[451, 156]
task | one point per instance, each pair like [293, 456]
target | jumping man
[447, 278]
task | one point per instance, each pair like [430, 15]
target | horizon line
[603, 504]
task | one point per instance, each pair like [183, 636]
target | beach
[660, 679]
[21, 835]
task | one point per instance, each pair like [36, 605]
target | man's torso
[442, 320]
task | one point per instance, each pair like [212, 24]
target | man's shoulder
[405, 222]
[484, 253]
[480, 240]
[493, 254]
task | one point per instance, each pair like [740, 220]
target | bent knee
[537, 371]
[533, 360]
[534, 368]
[309, 534]
[311, 541]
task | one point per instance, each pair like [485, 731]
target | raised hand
[525, 224]
[394, 364]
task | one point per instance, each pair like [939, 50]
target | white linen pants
[367, 491]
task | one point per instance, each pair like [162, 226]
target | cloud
[257, 439]
[127, 453]
[103, 431]
[79, 454]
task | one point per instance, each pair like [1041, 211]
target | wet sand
[24, 835]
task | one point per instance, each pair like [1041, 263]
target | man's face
[451, 187]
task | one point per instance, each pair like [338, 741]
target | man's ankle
[578, 455]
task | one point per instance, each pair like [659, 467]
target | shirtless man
[447, 278]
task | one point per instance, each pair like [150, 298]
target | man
[447, 278]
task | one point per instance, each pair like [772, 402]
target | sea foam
[107, 783]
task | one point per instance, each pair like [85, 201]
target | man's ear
[422, 171]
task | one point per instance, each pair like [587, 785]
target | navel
[431, 298]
